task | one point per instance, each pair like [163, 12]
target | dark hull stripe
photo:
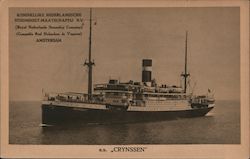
[52, 115]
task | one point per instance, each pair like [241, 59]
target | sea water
[220, 126]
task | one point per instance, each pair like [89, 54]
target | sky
[120, 40]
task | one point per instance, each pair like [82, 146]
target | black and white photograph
[124, 76]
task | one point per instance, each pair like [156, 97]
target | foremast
[90, 63]
[185, 75]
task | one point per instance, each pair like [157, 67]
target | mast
[90, 63]
[185, 74]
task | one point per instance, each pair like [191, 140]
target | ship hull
[54, 115]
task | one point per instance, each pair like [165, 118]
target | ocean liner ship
[119, 102]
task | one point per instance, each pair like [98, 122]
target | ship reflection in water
[131, 133]
[220, 126]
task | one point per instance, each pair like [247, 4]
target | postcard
[124, 79]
